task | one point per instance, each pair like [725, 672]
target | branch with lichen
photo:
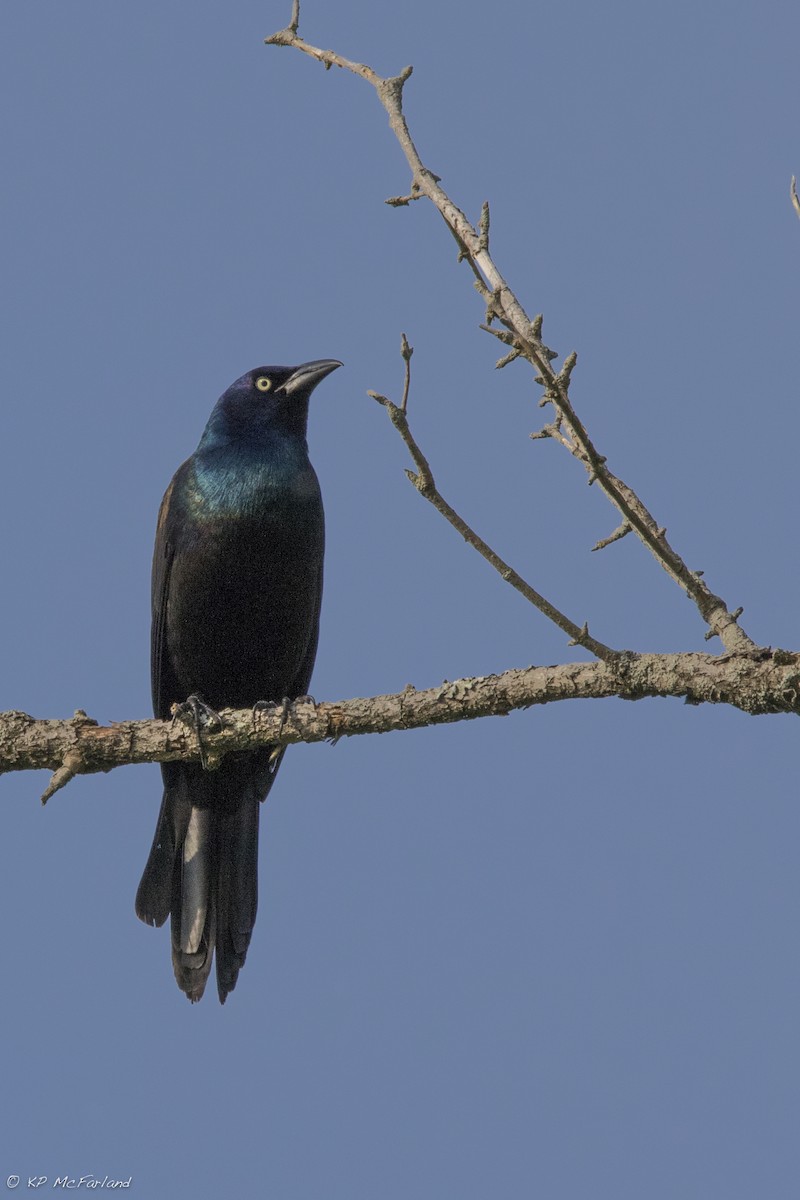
[524, 339]
[762, 682]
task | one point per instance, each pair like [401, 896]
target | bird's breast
[247, 487]
[245, 587]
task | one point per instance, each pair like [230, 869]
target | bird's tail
[203, 873]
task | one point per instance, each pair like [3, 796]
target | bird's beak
[308, 375]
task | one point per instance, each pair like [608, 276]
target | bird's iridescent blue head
[265, 400]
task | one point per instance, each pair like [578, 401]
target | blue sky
[554, 954]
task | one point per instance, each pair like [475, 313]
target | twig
[70, 767]
[503, 305]
[483, 228]
[620, 532]
[425, 484]
[406, 352]
[404, 201]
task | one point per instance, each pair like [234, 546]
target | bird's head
[267, 399]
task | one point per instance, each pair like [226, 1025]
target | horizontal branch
[765, 682]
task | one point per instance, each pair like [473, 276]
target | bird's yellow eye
[263, 383]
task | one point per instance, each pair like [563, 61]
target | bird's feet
[269, 706]
[277, 752]
[283, 705]
[195, 712]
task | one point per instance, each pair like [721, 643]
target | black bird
[237, 585]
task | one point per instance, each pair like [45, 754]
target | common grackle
[237, 585]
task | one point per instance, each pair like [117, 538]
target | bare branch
[502, 335]
[406, 351]
[567, 369]
[506, 359]
[620, 532]
[404, 201]
[425, 484]
[505, 307]
[764, 682]
[483, 227]
[794, 197]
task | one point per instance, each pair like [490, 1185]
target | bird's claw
[284, 705]
[269, 705]
[262, 706]
[197, 713]
[276, 753]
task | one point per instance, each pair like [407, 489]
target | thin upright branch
[406, 351]
[502, 305]
[425, 484]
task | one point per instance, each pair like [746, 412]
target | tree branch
[764, 682]
[425, 484]
[503, 305]
[753, 680]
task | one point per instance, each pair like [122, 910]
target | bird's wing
[301, 680]
[303, 677]
[163, 554]
[154, 897]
